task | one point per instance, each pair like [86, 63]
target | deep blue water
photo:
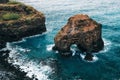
[30, 52]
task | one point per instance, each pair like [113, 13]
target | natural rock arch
[82, 31]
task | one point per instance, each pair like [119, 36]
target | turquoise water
[30, 53]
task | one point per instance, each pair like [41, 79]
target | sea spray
[49, 47]
[107, 45]
[24, 39]
[95, 58]
[39, 71]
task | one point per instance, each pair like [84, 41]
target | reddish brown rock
[82, 31]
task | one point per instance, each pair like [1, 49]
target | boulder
[82, 31]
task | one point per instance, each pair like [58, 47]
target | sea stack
[82, 31]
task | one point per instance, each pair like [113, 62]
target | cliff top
[18, 20]
[16, 11]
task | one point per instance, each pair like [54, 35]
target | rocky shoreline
[19, 21]
[30, 22]
[10, 71]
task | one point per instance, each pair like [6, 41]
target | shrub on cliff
[10, 16]
[14, 2]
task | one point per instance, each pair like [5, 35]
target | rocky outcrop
[4, 1]
[31, 22]
[9, 71]
[13, 28]
[82, 31]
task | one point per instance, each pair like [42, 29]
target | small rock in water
[89, 57]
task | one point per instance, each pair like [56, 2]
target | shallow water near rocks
[34, 55]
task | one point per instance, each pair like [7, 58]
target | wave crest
[33, 69]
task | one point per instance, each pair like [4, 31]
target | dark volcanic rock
[82, 31]
[31, 22]
[4, 1]
[8, 71]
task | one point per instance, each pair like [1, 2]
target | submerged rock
[18, 21]
[82, 31]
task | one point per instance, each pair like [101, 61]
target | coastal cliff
[18, 21]
[82, 31]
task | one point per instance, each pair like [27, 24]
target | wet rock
[89, 57]
[9, 71]
[30, 22]
[4, 55]
[82, 31]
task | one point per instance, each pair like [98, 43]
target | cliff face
[17, 21]
[82, 31]
[29, 22]
[4, 1]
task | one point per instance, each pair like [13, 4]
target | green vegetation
[14, 2]
[10, 16]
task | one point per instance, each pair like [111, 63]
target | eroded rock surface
[82, 31]
[31, 22]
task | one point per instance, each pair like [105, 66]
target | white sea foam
[73, 52]
[3, 49]
[24, 50]
[39, 71]
[107, 46]
[73, 48]
[37, 35]
[49, 47]
[24, 39]
[95, 58]
[56, 52]
[31, 68]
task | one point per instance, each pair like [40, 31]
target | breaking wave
[33, 69]
[49, 47]
[107, 45]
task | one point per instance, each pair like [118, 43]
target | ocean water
[34, 54]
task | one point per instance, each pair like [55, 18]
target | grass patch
[14, 2]
[10, 16]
